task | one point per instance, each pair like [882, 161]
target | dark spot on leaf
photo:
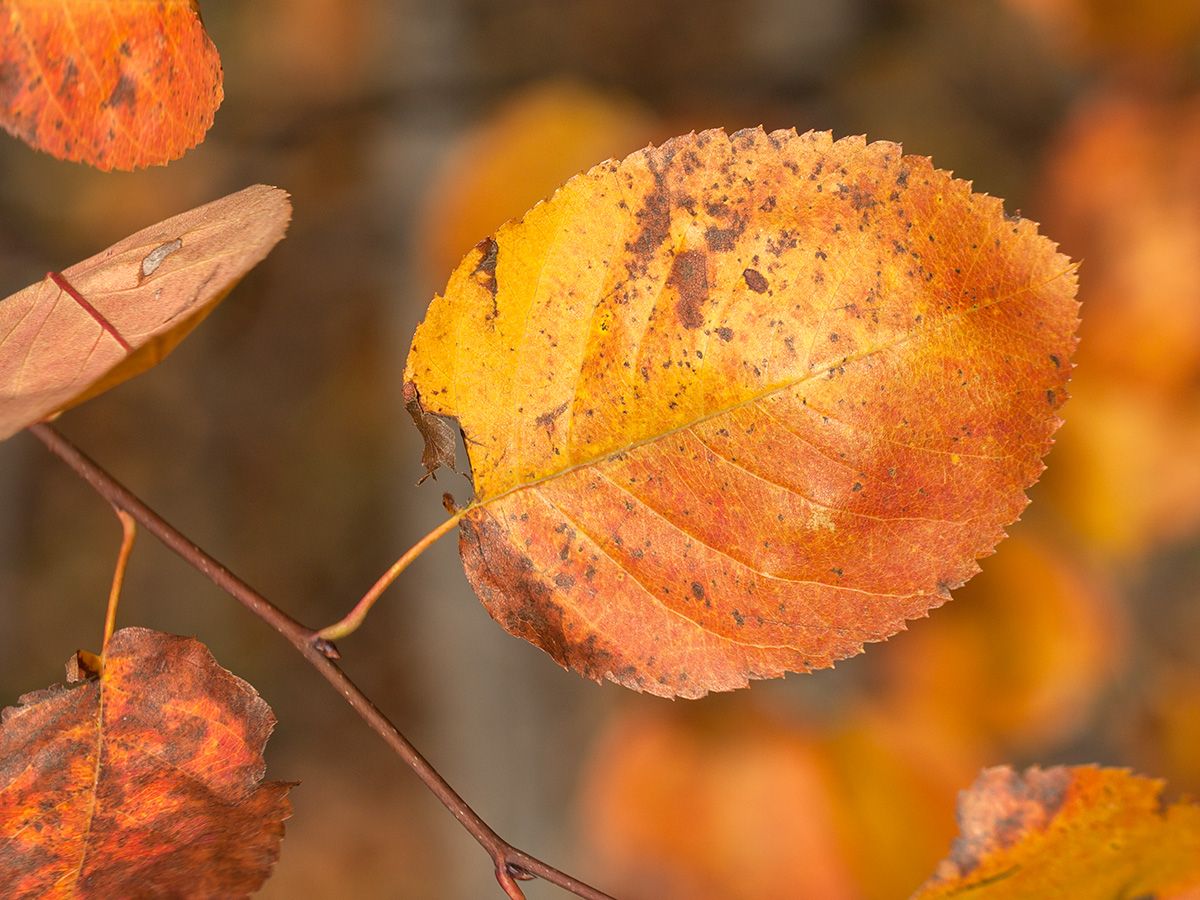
[755, 281]
[725, 334]
[69, 77]
[724, 239]
[546, 419]
[689, 278]
[698, 590]
[124, 93]
[485, 270]
[565, 580]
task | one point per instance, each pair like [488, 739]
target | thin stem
[510, 861]
[354, 618]
[128, 533]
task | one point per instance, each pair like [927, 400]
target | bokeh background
[275, 436]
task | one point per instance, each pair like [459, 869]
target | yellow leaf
[1082, 832]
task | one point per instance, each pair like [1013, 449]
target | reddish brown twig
[511, 863]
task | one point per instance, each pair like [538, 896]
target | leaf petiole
[349, 624]
[128, 533]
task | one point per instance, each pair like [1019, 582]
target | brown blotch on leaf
[485, 271]
[755, 281]
[1001, 806]
[654, 217]
[723, 239]
[437, 432]
[522, 600]
[689, 278]
[124, 93]
[546, 419]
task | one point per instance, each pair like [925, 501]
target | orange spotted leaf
[74, 335]
[118, 84]
[737, 404]
[1080, 832]
[142, 782]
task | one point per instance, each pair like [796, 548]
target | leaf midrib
[787, 385]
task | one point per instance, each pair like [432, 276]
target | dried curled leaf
[118, 84]
[738, 404]
[144, 782]
[140, 298]
[1081, 832]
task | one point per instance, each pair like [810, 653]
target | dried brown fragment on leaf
[435, 430]
[146, 781]
[737, 404]
[119, 84]
[147, 291]
[1081, 832]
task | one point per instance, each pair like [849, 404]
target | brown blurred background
[276, 438]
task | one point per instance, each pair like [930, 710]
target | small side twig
[128, 534]
[510, 862]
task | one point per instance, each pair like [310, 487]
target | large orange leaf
[140, 298]
[143, 782]
[1080, 832]
[736, 405]
[114, 83]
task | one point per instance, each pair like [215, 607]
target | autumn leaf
[1081, 832]
[143, 782]
[736, 405]
[118, 84]
[132, 304]
[682, 804]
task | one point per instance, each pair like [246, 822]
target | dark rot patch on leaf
[124, 93]
[724, 239]
[755, 281]
[1001, 806]
[485, 270]
[654, 219]
[524, 601]
[689, 278]
[546, 419]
